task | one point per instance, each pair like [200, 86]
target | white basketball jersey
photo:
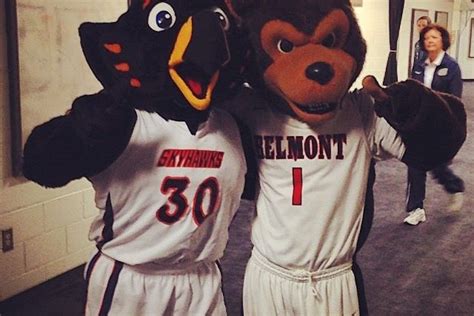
[168, 200]
[313, 180]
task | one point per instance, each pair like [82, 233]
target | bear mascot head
[308, 53]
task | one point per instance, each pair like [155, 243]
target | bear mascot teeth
[315, 142]
[166, 165]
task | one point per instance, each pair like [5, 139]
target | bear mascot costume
[315, 142]
[166, 165]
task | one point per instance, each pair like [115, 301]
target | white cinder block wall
[50, 226]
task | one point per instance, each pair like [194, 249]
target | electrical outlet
[7, 239]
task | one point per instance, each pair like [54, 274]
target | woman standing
[420, 55]
[440, 72]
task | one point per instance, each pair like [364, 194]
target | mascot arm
[79, 144]
[432, 124]
[250, 158]
[241, 108]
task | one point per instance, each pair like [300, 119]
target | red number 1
[297, 186]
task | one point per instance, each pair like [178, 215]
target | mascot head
[307, 53]
[171, 57]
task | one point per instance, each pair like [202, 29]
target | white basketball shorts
[272, 290]
[115, 288]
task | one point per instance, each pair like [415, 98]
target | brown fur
[308, 25]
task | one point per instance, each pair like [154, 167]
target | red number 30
[175, 187]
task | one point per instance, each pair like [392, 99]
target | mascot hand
[99, 117]
[400, 103]
[372, 87]
[79, 144]
[431, 124]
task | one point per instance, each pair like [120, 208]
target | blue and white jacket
[447, 77]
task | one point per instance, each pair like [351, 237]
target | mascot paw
[403, 103]
[47, 151]
[81, 143]
[431, 124]
[372, 87]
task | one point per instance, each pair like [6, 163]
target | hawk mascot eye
[224, 20]
[162, 17]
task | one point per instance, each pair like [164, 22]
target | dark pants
[416, 188]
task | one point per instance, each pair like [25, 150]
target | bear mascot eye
[162, 17]
[285, 46]
[330, 41]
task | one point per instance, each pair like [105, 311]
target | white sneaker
[415, 217]
[455, 202]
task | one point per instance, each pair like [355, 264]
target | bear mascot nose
[320, 72]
